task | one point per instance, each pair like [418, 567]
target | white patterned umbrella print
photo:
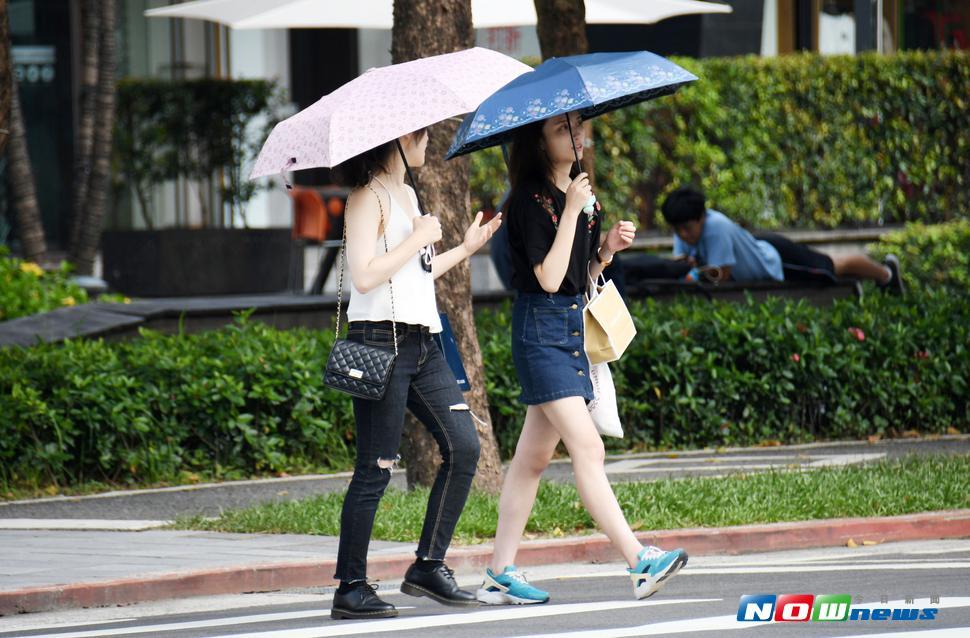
[383, 104]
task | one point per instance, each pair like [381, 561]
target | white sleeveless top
[414, 298]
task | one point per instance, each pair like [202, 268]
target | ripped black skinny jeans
[423, 383]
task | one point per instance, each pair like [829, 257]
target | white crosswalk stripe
[508, 614]
[371, 628]
[196, 624]
[368, 628]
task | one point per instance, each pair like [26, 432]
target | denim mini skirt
[547, 347]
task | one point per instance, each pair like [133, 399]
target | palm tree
[92, 207]
[421, 29]
[90, 19]
[26, 208]
[5, 76]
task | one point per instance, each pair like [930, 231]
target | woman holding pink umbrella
[373, 129]
[385, 234]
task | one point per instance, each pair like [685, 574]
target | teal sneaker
[654, 568]
[509, 588]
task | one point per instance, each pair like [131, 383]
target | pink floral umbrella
[384, 104]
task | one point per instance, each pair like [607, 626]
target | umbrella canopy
[378, 14]
[383, 104]
[592, 84]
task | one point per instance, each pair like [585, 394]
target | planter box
[180, 262]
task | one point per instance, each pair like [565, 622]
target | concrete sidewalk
[162, 504]
[55, 569]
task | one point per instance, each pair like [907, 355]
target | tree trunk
[21, 181]
[89, 235]
[13, 140]
[91, 20]
[6, 77]
[422, 29]
[561, 26]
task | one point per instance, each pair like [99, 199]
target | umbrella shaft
[427, 256]
[572, 143]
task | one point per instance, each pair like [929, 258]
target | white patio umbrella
[377, 14]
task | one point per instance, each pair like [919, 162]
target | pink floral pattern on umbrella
[383, 104]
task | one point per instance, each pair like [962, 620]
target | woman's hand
[620, 237]
[477, 234]
[427, 228]
[578, 193]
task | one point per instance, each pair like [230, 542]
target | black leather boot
[437, 582]
[361, 601]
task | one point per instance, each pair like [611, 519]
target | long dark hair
[357, 171]
[528, 162]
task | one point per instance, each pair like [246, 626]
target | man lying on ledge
[720, 250]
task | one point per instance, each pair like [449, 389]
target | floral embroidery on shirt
[548, 205]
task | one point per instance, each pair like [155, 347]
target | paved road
[588, 601]
[211, 499]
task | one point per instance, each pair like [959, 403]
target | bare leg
[535, 448]
[858, 265]
[572, 420]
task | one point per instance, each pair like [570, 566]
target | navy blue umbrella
[592, 84]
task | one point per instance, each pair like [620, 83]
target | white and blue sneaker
[509, 588]
[654, 568]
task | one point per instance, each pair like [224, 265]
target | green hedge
[932, 255]
[242, 400]
[702, 373]
[247, 399]
[792, 141]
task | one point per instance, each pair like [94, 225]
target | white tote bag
[606, 416]
[603, 408]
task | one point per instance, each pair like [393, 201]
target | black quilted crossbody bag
[359, 369]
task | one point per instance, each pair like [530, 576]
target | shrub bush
[247, 399]
[708, 374]
[26, 289]
[935, 255]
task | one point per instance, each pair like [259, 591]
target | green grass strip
[884, 488]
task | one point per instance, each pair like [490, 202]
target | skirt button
[575, 333]
[581, 373]
[574, 306]
[576, 354]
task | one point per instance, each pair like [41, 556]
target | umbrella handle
[579, 165]
[590, 204]
[286, 167]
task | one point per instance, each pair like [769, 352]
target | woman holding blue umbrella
[554, 226]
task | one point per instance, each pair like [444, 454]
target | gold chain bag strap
[359, 369]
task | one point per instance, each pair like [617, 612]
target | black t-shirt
[533, 214]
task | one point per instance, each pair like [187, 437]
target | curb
[587, 549]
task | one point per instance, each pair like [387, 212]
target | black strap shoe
[437, 583]
[361, 602]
